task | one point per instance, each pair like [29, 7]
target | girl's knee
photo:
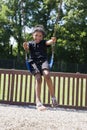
[38, 78]
[46, 74]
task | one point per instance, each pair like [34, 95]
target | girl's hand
[25, 46]
[53, 39]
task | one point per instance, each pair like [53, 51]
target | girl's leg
[47, 77]
[38, 81]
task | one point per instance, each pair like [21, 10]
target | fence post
[77, 92]
[12, 87]
[86, 94]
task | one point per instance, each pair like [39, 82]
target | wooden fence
[17, 87]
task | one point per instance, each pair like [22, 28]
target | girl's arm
[51, 41]
[25, 46]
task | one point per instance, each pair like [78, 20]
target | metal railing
[17, 87]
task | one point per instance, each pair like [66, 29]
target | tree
[28, 13]
[71, 26]
[73, 32]
[4, 30]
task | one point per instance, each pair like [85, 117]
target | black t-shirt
[38, 51]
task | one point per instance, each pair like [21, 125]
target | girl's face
[37, 36]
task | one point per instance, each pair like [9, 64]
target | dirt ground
[29, 118]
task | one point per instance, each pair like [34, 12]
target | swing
[52, 57]
[27, 62]
[53, 45]
[50, 64]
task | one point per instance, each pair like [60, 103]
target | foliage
[68, 22]
[73, 32]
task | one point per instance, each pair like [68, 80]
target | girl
[38, 63]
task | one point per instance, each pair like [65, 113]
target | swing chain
[55, 28]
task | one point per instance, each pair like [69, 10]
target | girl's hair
[39, 28]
